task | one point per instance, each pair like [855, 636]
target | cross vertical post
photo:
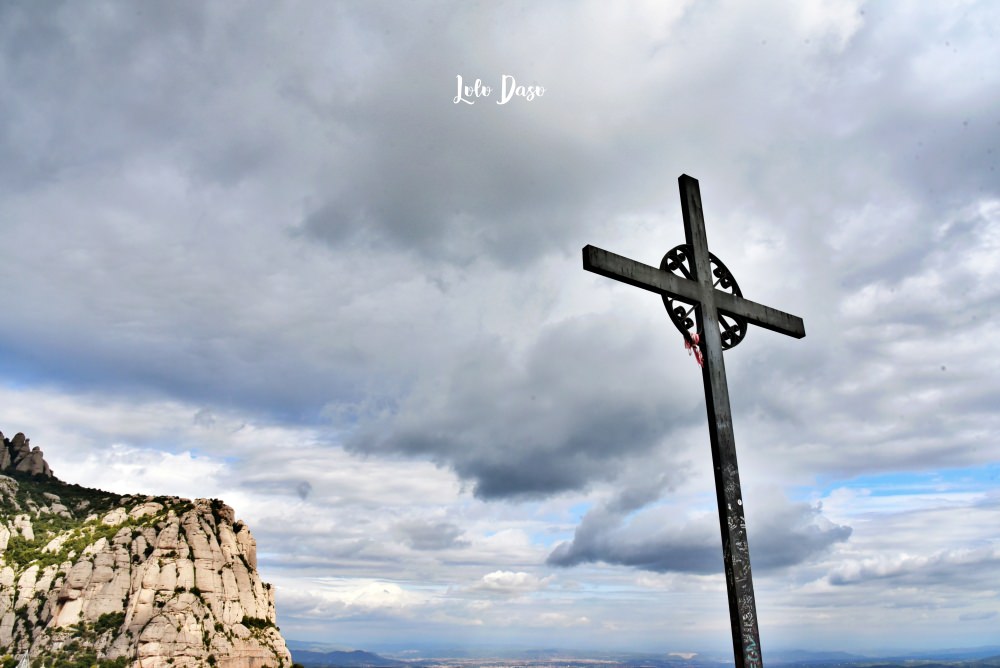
[715, 310]
[729, 496]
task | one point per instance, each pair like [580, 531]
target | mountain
[340, 659]
[89, 578]
[801, 656]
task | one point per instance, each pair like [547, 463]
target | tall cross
[687, 275]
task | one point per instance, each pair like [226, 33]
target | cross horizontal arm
[620, 268]
[638, 274]
[760, 315]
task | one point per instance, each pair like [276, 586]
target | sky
[257, 251]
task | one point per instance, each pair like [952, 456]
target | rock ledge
[138, 581]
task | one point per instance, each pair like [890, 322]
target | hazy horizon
[569, 653]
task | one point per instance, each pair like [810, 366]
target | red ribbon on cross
[691, 343]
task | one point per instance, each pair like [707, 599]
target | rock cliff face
[119, 581]
[17, 456]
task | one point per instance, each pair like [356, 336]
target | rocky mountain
[93, 578]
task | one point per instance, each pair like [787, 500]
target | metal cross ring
[677, 261]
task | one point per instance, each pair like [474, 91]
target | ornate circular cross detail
[678, 262]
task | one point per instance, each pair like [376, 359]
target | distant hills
[315, 655]
[799, 656]
[340, 659]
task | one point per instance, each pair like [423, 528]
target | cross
[697, 284]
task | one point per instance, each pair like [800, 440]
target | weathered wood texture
[729, 496]
[710, 302]
[662, 282]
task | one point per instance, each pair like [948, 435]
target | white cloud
[906, 566]
[507, 583]
[337, 598]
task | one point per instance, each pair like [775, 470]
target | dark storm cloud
[183, 153]
[791, 533]
[788, 533]
[599, 538]
[574, 408]
[449, 182]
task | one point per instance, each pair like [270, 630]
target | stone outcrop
[140, 581]
[17, 455]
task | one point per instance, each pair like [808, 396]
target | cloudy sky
[256, 251]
